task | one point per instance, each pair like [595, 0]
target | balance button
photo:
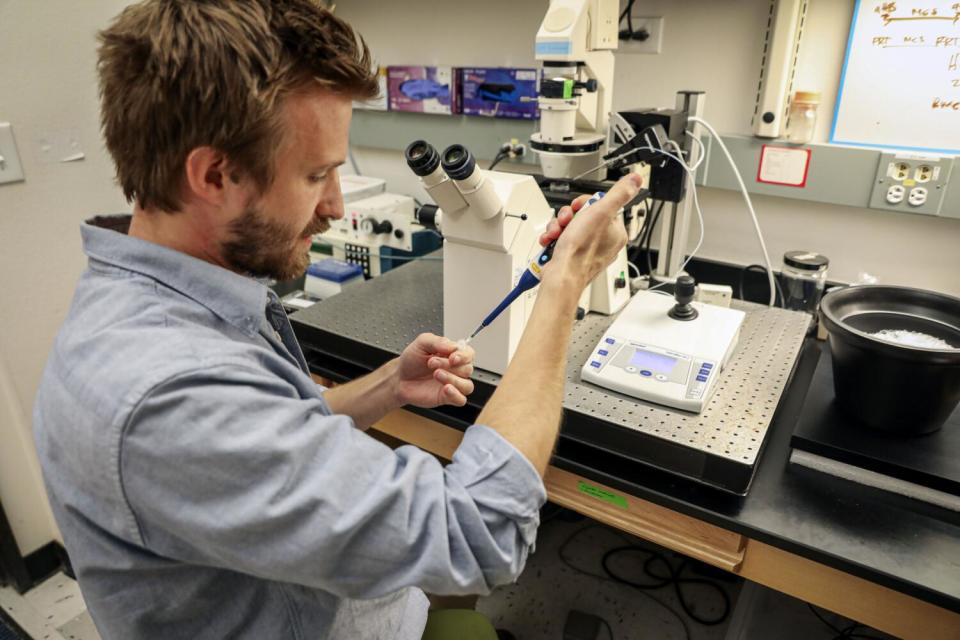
[704, 372]
[646, 373]
[595, 364]
[603, 352]
[630, 369]
[706, 365]
[661, 377]
[701, 378]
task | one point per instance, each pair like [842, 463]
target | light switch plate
[10, 168]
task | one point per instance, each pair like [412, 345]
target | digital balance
[665, 350]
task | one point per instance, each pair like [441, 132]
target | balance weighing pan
[894, 387]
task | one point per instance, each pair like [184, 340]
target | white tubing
[746, 197]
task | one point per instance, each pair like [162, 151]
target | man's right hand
[588, 242]
[525, 409]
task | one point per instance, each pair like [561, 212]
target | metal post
[675, 226]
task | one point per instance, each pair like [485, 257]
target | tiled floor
[54, 610]
[536, 607]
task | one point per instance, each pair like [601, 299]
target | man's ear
[208, 175]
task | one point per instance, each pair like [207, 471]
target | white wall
[47, 85]
[708, 45]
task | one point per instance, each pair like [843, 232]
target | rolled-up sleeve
[228, 467]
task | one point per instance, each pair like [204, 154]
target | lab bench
[879, 558]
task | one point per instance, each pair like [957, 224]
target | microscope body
[491, 225]
[574, 45]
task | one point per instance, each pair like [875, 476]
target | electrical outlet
[899, 176]
[917, 197]
[651, 44]
[895, 194]
[514, 148]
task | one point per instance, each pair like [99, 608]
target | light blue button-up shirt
[204, 488]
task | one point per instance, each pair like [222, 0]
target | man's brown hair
[180, 74]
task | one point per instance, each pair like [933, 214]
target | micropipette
[530, 277]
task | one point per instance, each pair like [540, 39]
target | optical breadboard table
[719, 447]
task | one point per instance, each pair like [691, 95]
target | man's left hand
[434, 371]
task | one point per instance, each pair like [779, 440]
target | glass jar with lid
[802, 118]
[804, 276]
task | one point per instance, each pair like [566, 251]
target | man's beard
[264, 248]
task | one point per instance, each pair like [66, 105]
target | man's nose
[331, 205]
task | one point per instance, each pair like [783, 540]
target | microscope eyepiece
[422, 158]
[458, 162]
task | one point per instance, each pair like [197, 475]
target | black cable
[649, 238]
[609, 628]
[501, 155]
[776, 282]
[576, 569]
[659, 581]
[647, 223]
[847, 632]
[851, 632]
[822, 619]
[636, 253]
[672, 578]
[628, 14]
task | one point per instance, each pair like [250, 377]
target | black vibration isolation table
[882, 559]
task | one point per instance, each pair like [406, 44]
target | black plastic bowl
[900, 389]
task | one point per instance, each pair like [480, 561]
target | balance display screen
[655, 362]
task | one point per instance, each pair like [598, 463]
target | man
[204, 485]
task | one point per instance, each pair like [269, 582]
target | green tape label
[606, 496]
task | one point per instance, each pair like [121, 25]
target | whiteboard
[900, 85]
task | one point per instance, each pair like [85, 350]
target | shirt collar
[237, 299]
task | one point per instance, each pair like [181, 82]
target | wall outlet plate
[10, 168]
[654, 28]
[911, 183]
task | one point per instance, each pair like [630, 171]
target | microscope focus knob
[684, 291]
[371, 225]
[590, 86]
